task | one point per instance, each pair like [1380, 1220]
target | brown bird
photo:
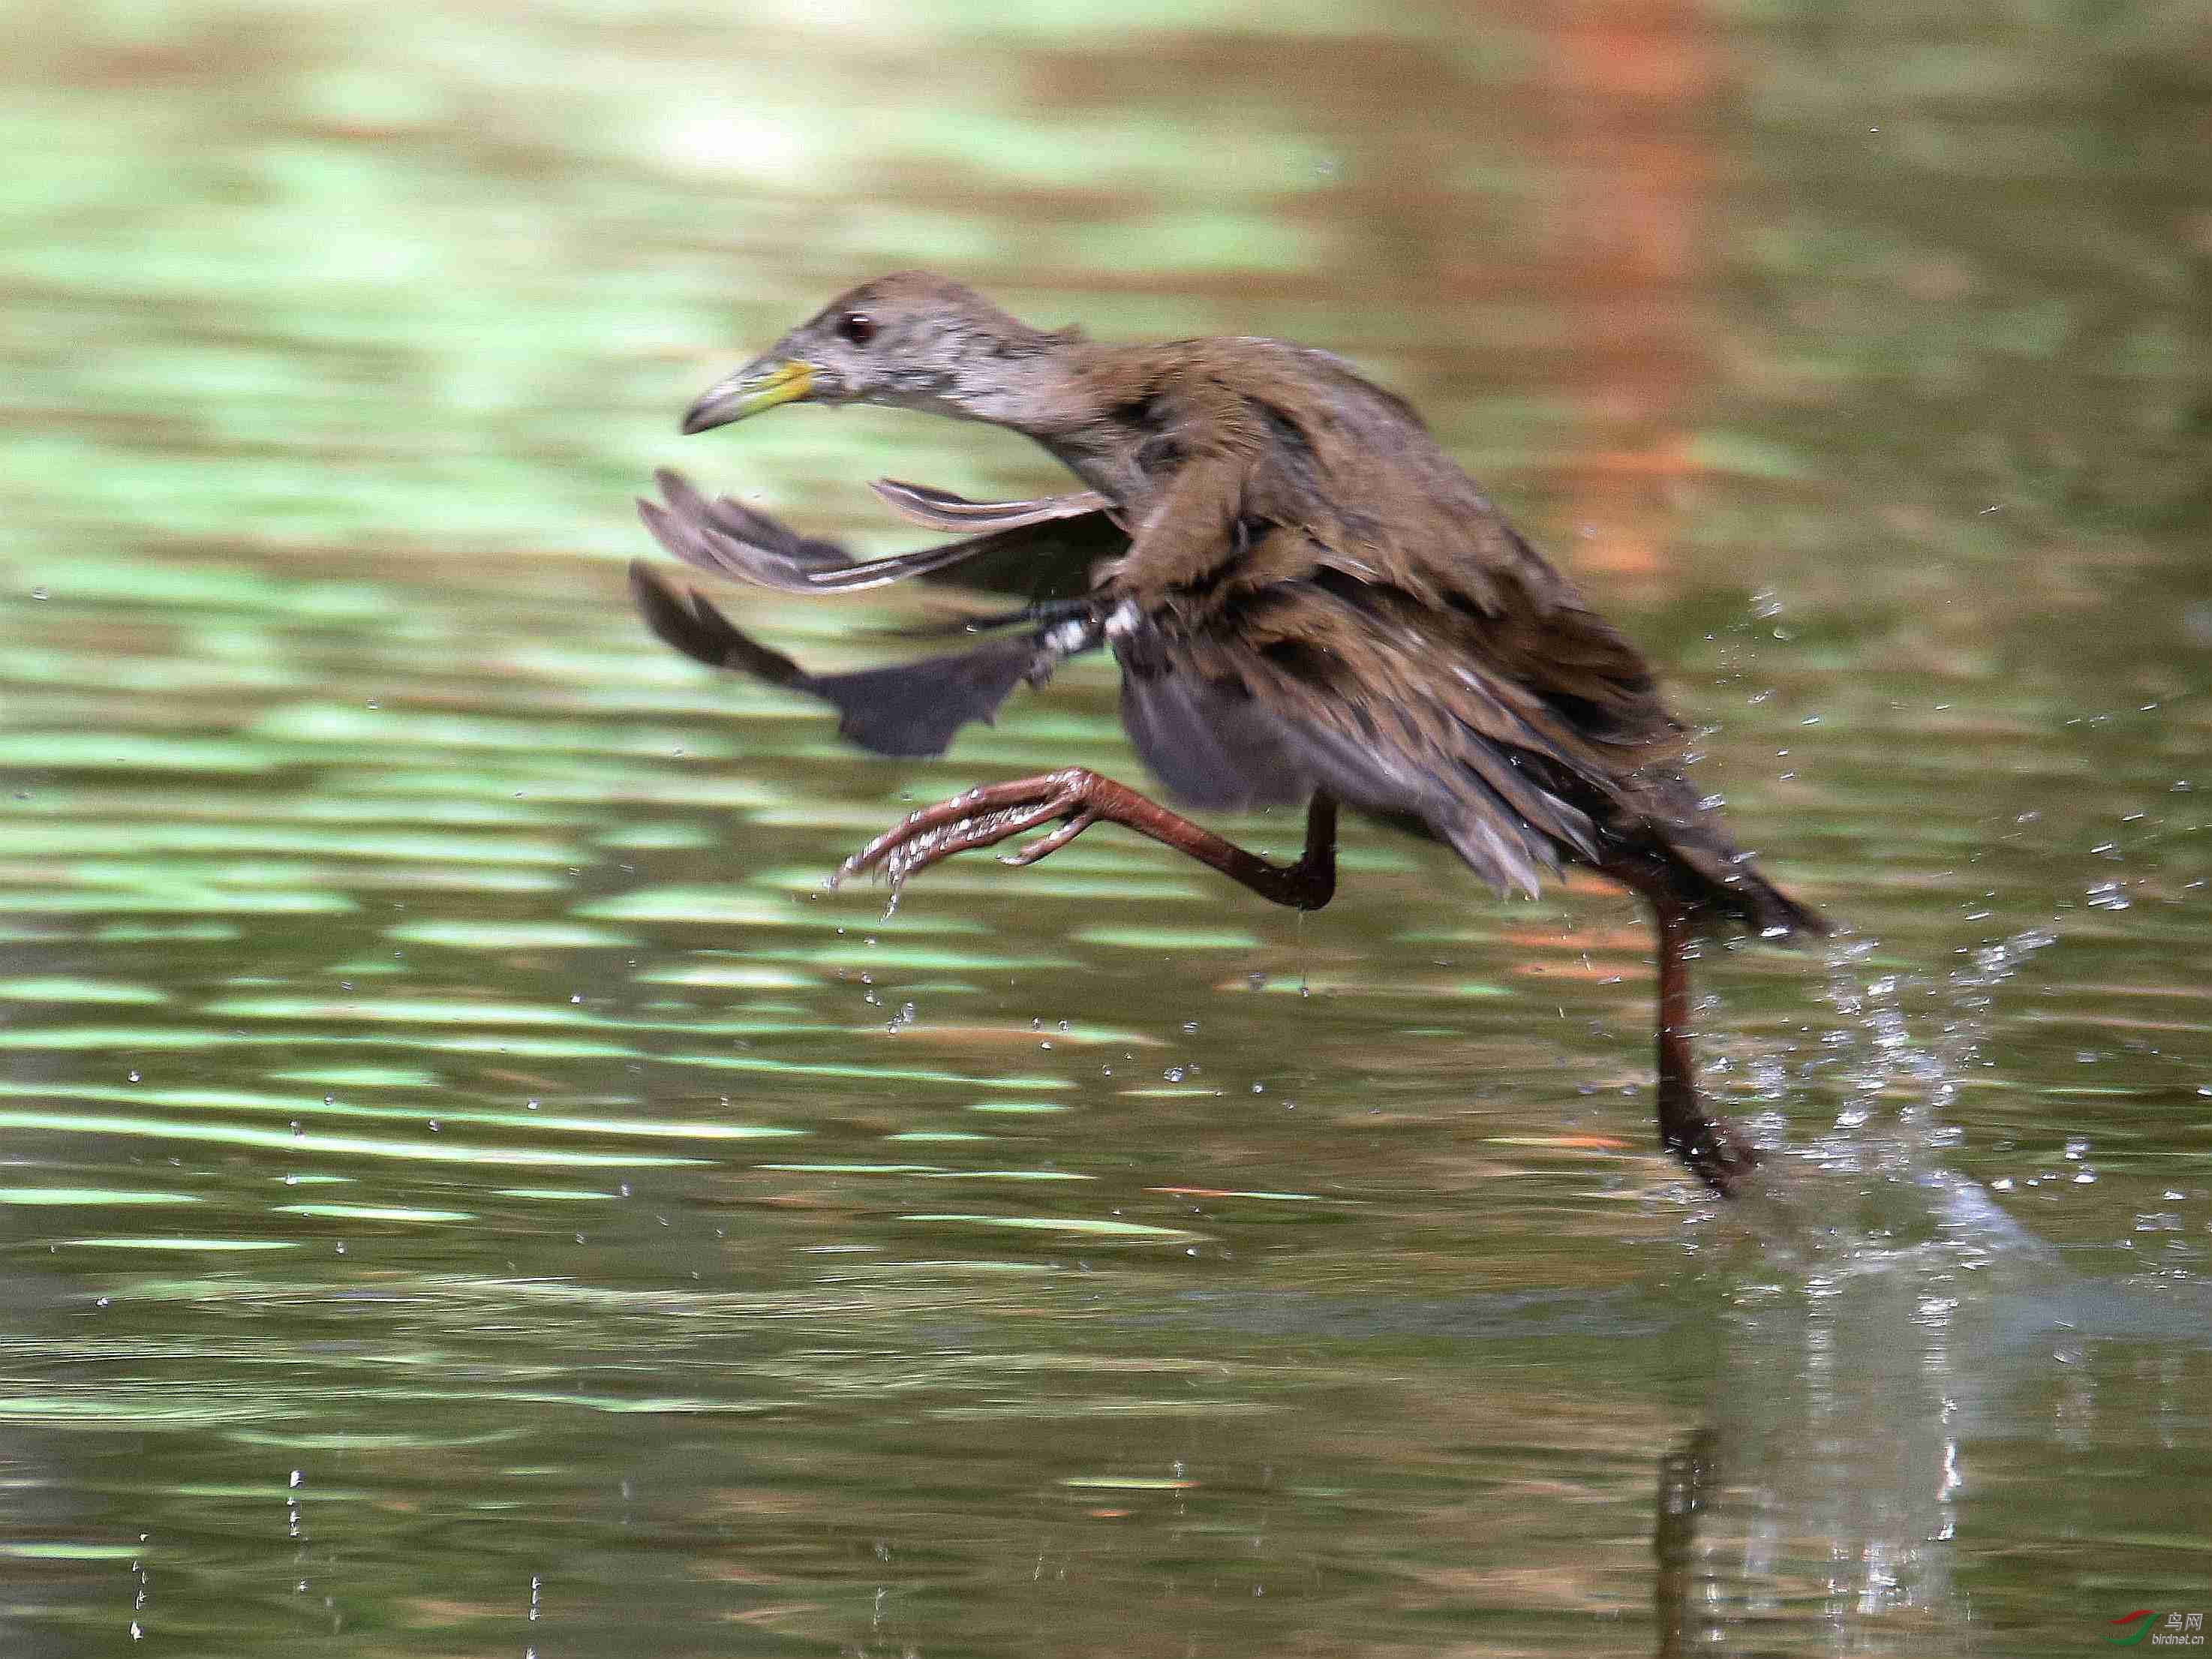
[1310, 605]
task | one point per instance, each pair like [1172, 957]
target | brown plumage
[1309, 602]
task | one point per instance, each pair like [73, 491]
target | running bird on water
[1310, 604]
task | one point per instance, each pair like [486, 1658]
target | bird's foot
[983, 817]
[1715, 1150]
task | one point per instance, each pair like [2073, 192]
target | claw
[979, 817]
[1046, 845]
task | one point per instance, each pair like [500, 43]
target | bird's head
[911, 341]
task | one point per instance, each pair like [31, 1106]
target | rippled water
[468, 1188]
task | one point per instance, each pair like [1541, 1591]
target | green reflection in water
[80, 1039]
[852, 1169]
[888, 1073]
[93, 1196]
[916, 957]
[173, 897]
[512, 935]
[196, 1246]
[655, 837]
[423, 1151]
[119, 752]
[1084, 1227]
[304, 1442]
[1170, 939]
[362, 1076]
[59, 989]
[1009, 1175]
[126, 933]
[237, 1100]
[392, 729]
[726, 975]
[743, 906]
[403, 1011]
[76, 840]
[720, 906]
[1127, 1483]
[559, 1195]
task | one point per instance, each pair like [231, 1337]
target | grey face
[912, 340]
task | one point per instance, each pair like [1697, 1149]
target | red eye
[856, 328]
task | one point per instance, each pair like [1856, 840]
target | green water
[467, 1190]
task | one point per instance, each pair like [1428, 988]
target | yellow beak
[756, 386]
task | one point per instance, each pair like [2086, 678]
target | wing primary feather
[940, 510]
[907, 709]
[1038, 545]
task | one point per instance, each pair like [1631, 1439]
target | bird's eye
[856, 328]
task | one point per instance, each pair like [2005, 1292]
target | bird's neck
[1092, 407]
[1029, 394]
[1080, 410]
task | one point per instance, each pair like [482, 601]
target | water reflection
[1828, 1477]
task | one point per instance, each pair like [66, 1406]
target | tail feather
[1680, 851]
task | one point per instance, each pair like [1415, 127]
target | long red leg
[1712, 1148]
[999, 811]
[1716, 1151]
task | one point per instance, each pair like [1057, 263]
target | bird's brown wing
[910, 708]
[1384, 697]
[1046, 555]
[1387, 708]
[1523, 742]
[1424, 665]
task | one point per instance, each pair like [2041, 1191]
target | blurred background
[468, 1190]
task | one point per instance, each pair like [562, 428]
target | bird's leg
[999, 811]
[1717, 1153]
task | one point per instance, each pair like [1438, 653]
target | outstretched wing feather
[1040, 549]
[907, 709]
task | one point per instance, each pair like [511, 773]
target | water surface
[468, 1189]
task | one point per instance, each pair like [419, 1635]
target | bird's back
[1426, 663]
